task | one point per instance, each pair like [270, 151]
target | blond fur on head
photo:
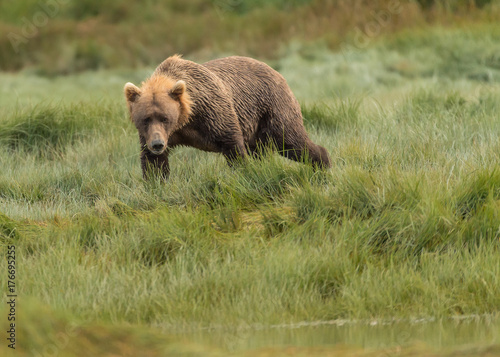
[176, 89]
[159, 85]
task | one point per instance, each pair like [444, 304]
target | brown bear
[233, 105]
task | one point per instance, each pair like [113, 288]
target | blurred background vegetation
[53, 37]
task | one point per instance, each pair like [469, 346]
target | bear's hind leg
[261, 146]
[234, 152]
[304, 150]
[289, 136]
[320, 157]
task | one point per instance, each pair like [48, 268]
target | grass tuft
[49, 129]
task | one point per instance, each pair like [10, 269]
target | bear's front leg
[153, 165]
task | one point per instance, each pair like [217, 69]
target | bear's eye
[147, 120]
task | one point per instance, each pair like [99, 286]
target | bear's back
[256, 91]
[247, 77]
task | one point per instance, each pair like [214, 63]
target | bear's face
[158, 109]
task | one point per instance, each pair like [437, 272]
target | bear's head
[160, 107]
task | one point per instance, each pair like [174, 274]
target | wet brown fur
[231, 105]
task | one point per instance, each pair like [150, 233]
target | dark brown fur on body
[230, 105]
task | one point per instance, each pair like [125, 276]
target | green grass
[404, 225]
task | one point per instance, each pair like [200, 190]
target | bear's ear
[178, 89]
[131, 92]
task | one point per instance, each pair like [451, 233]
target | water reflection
[437, 334]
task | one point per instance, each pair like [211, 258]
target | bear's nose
[157, 145]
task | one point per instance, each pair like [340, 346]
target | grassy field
[405, 225]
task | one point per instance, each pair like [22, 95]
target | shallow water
[475, 331]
